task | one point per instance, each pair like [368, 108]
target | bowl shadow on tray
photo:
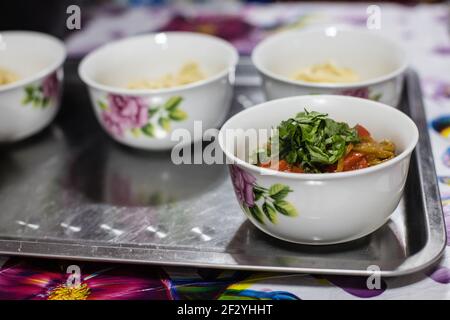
[109, 173]
[383, 248]
[17, 157]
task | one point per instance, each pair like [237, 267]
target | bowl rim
[328, 85]
[45, 71]
[322, 176]
[136, 92]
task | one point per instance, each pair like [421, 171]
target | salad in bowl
[314, 143]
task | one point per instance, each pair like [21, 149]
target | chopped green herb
[312, 140]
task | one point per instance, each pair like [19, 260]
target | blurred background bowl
[379, 63]
[30, 103]
[109, 69]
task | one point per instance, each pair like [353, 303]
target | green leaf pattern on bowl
[40, 95]
[261, 203]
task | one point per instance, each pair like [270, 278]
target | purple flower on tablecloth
[442, 90]
[440, 275]
[356, 286]
[247, 44]
[37, 280]
[131, 111]
[233, 28]
[446, 158]
[436, 89]
[443, 17]
[50, 86]
[243, 183]
[356, 20]
[358, 92]
[442, 50]
[228, 27]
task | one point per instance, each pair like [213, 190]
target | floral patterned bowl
[30, 103]
[147, 118]
[379, 62]
[323, 208]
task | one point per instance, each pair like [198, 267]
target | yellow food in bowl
[7, 77]
[189, 73]
[326, 72]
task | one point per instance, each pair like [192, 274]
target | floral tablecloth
[422, 29]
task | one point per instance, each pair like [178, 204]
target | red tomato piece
[283, 165]
[296, 169]
[354, 161]
[362, 132]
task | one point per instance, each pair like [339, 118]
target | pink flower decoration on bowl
[113, 123]
[358, 92]
[131, 111]
[243, 183]
[50, 86]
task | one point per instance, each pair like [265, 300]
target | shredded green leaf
[312, 140]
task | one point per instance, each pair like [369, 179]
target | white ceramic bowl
[379, 62]
[124, 113]
[330, 207]
[29, 104]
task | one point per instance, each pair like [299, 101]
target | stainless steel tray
[73, 193]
